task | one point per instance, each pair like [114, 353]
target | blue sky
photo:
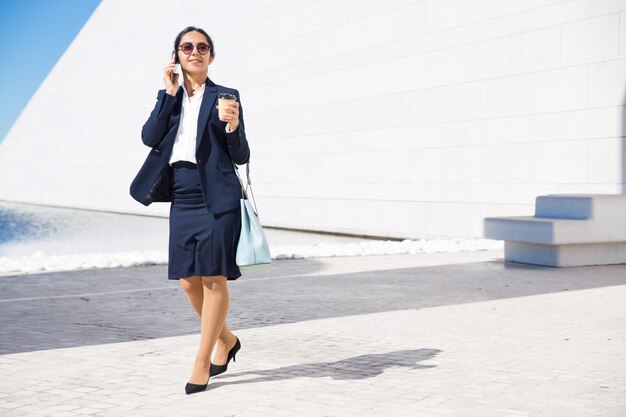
[33, 36]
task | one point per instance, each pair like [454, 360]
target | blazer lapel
[206, 108]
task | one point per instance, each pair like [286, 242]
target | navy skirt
[200, 242]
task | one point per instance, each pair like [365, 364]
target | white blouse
[185, 143]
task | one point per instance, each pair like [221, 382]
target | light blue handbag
[252, 248]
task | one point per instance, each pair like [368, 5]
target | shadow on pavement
[358, 367]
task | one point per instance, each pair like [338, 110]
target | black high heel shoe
[193, 388]
[218, 369]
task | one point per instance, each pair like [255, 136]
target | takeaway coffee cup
[222, 99]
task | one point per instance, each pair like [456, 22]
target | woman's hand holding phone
[170, 78]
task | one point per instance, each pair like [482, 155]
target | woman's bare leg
[214, 311]
[225, 343]
[195, 294]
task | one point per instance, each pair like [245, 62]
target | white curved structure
[396, 118]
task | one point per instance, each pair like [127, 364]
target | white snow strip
[42, 262]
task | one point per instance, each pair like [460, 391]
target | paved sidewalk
[407, 335]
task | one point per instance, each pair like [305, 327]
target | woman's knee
[216, 279]
[191, 284]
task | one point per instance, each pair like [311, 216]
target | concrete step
[565, 255]
[567, 230]
[579, 206]
[565, 219]
[548, 231]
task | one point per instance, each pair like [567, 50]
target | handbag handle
[248, 185]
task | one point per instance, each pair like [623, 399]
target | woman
[186, 130]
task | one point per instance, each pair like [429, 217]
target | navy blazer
[216, 151]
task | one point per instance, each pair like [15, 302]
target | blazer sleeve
[236, 140]
[154, 129]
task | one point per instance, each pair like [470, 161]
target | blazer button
[199, 160]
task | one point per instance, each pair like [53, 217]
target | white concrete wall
[396, 118]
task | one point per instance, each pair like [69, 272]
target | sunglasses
[187, 48]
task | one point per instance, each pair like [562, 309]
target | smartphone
[176, 70]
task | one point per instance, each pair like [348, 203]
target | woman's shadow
[358, 367]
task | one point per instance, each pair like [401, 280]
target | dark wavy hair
[187, 30]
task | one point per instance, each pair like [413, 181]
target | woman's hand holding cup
[228, 110]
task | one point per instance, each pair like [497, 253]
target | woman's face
[194, 62]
